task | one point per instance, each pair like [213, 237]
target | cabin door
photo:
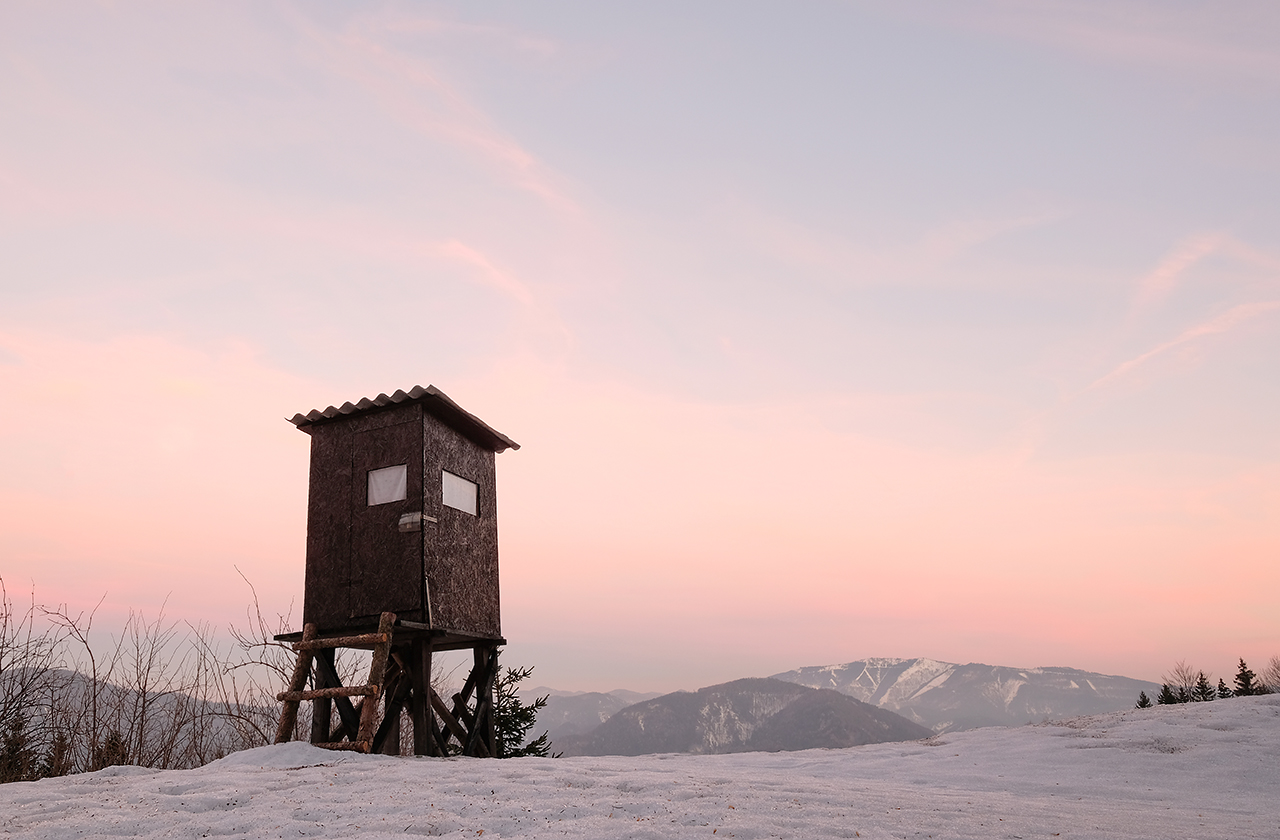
[386, 563]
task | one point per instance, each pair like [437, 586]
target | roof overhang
[432, 399]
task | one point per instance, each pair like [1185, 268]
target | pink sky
[826, 334]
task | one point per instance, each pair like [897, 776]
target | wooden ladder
[368, 693]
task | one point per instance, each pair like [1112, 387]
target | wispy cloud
[1172, 271]
[415, 94]
[1155, 286]
[489, 274]
[1227, 321]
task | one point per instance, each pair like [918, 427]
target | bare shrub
[1182, 680]
[1270, 675]
[157, 693]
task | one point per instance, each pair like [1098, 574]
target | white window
[389, 484]
[459, 493]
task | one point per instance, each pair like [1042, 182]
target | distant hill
[946, 697]
[569, 713]
[747, 714]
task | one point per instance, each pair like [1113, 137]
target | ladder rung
[343, 641]
[322, 693]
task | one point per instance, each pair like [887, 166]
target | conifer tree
[57, 761]
[1166, 697]
[112, 752]
[1203, 691]
[1245, 681]
[1144, 702]
[17, 759]
[512, 719]
[1223, 691]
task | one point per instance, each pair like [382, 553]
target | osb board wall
[324, 600]
[386, 563]
[461, 550]
[358, 561]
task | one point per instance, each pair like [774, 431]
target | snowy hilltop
[947, 697]
[1203, 770]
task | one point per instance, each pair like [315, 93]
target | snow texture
[1203, 770]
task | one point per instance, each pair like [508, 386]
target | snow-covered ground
[1197, 771]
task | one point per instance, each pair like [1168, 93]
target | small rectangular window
[459, 493]
[389, 484]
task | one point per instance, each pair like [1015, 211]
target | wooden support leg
[424, 742]
[490, 724]
[301, 670]
[440, 734]
[349, 718]
[322, 707]
[387, 739]
[454, 727]
[479, 740]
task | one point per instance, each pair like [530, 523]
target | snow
[1202, 770]
[921, 676]
[1007, 690]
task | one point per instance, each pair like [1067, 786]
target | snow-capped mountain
[947, 697]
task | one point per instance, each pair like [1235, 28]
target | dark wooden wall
[325, 600]
[359, 563]
[461, 549]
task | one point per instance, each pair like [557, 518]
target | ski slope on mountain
[947, 697]
[1204, 770]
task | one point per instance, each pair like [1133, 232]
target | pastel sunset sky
[828, 329]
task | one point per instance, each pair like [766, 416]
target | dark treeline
[1187, 685]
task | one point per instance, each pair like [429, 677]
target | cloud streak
[1223, 323]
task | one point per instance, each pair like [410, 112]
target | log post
[349, 718]
[490, 723]
[480, 740]
[301, 670]
[419, 668]
[377, 676]
[387, 739]
[321, 707]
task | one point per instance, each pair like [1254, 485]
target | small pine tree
[512, 719]
[57, 762]
[1166, 697]
[17, 758]
[1144, 702]
[111, 752]
[1246, 684]
[1223, 691]
[1203, 691]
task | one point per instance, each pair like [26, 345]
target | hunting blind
[402, 559]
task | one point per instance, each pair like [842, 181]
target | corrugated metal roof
[434, 400]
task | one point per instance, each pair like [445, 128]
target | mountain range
[755, 714]
[947, 697]
[741, 716]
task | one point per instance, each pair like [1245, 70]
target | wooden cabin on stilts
[402, 560]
